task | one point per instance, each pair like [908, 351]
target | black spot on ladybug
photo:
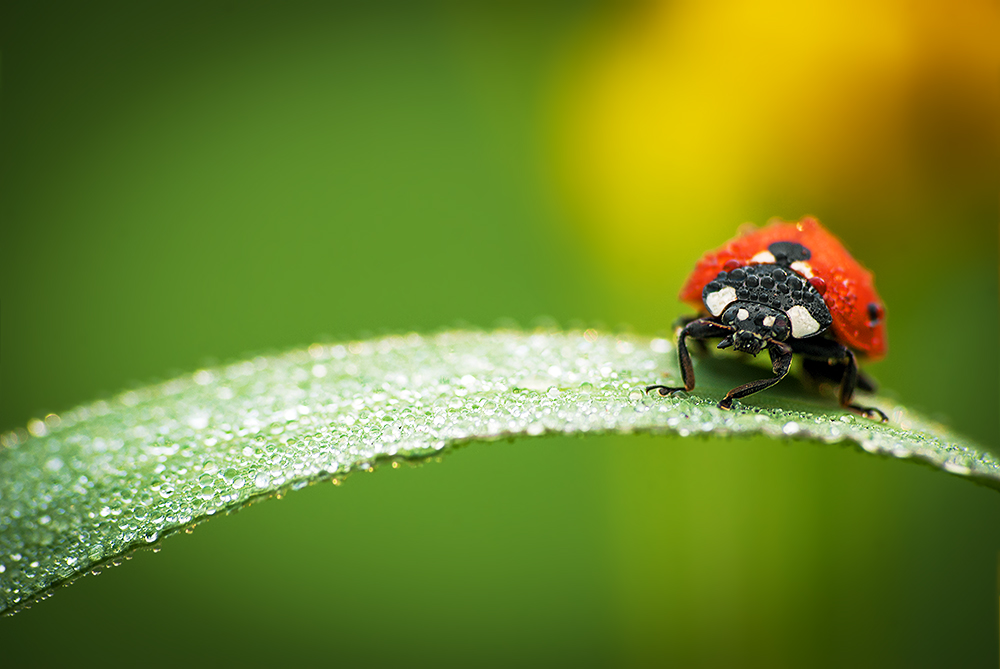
[875, 313]
[780, 328]
[785, 253]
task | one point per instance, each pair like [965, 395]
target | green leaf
[107, 478]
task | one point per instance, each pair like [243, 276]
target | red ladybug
[789, 288]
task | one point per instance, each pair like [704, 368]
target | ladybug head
[754, 325]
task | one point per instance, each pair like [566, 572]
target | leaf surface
[104, 479]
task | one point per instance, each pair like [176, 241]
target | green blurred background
[188, 183]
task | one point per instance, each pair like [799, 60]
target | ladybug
[790, 288]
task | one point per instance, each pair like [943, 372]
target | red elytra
[847, 288]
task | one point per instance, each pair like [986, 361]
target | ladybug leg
[698, 329]
[847, 386]
[820, 369]
[866, 383]
[781, 361]
[681, 322]
[834, 361]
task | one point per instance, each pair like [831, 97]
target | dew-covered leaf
[104, 479]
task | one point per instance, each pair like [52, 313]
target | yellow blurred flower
[678, 120]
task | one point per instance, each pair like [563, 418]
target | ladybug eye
[875, 313]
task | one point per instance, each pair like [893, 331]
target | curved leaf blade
[118, 475]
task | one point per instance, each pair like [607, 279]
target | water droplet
[870, 446]
[37, 428]
[956, 468]
[660, 346]
[790, 428]
[198, 421]
[203, 377]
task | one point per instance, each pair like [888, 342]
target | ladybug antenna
[726, 343]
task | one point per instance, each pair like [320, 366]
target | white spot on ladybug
[742, 315]
[720, 299]
[803, 268]
[768, 321]
[764, 258]
[803, 324]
